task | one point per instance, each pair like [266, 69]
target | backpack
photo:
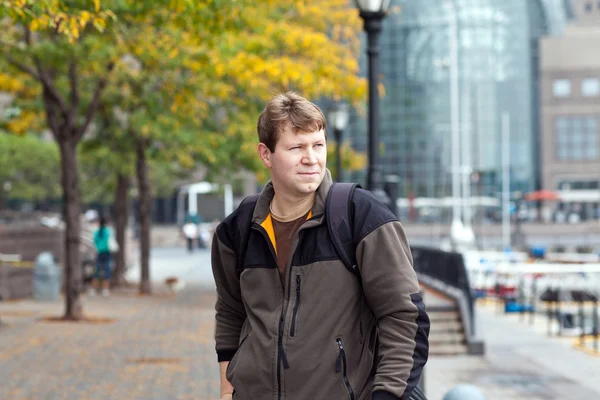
[339, 224]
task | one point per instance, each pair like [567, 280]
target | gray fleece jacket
[324, 334]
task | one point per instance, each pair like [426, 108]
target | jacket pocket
[341, 366]
[233, 361]
[296, 306]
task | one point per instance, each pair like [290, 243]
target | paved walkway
[520, 363]
[157, 347]
[161, 347]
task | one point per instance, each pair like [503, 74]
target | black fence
[567, 310]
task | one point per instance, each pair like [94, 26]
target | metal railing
[446, 272]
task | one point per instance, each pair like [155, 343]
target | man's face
[298, 163]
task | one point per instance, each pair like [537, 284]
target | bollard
[464, 392]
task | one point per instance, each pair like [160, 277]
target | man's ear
[265, 154]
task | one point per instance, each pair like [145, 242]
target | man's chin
[308, 188]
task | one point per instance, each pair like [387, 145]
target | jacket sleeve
[230, 311]
[392, 291]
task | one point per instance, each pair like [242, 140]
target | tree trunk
[71, 215]
[145, 210]
[121, 216]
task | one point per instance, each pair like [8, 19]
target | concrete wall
[30, 241]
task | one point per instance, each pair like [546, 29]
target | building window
[578, 185]
[561, 88]
[590, 87]
[577, 138]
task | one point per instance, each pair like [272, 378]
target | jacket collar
[261, 211]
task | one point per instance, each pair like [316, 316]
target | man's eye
[320, 145]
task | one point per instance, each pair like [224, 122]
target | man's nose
[310, 157]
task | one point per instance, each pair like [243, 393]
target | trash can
[47, 278]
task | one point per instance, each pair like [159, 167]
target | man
[296, 324]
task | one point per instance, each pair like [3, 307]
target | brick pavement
[158, 347]
[161, 347]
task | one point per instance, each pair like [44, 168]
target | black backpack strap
[339, 223]
[244, 221]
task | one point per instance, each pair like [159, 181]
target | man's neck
[285, 209]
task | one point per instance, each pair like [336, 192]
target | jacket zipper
[340, 366]
[281, 356]
[296, 306]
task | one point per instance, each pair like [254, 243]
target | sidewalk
[158, 347]
[520, 363]
[161, 347]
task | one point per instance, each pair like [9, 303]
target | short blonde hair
[284, 110]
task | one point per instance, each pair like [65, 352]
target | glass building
[497, 55]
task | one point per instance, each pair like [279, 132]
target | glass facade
[498, 56]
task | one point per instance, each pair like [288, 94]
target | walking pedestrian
[105, 243]
[190, 231]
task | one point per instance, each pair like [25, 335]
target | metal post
[505, 180]
[466, 156]
[549, 314]
[497, 291]
[421, 383]
[533, 301]
[521, 298]
[558, 316]
[454, 114]
[581, 323]
[373, 25]
[338, 154]
[595, 324]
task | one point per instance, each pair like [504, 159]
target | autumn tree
[191, 95]
[27, 168]
[190, 79]
[56, 44]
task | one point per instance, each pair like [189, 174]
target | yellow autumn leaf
[73, 28]
[84, 18]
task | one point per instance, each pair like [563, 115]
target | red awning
[542, 195]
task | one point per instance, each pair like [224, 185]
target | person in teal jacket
[102, 238]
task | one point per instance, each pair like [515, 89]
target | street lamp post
[373, 12]
[338, 117]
